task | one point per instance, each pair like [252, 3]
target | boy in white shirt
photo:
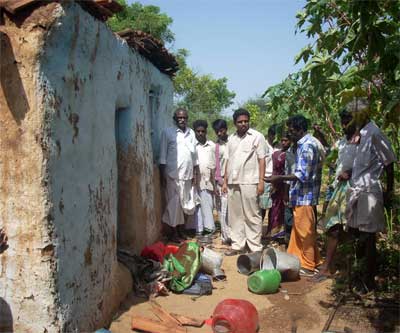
[204, 219]
[221, 199]
[265, 199]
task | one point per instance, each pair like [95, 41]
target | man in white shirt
[334, 223]
[366, 199]
[221, 199]
[244, 183]
[204, 218]
[265, 198]
[179, 172]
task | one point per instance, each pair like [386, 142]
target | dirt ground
[305, 308]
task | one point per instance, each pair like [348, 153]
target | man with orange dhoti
[304, 192]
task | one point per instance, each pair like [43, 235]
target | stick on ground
[152, 326]
[164, 315]
[332, 314]
[188, 321]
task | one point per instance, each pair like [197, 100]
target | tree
[356, 52]
[260, 119]
[291, 96]
[202, 95]
[145, 18]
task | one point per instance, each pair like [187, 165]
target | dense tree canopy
[355, 52]
[145, 18]
[204, 96]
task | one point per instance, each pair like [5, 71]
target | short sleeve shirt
[222, 156]
[268, 159]
[346, 156]
[178, 152]
[373, 153]
[206, 156]
[243, 154]
[305, 190]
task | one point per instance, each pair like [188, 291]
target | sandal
[306, 272]
[318, 278]
[232, 252]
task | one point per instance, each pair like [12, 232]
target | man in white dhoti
[221, 199]
[365, 205]
[204, 218]
[179, 173]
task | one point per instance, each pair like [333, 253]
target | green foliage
[202, 95]
[389, 255]
[356, 52]
[291, 96]
[145, 18]
[259, 118]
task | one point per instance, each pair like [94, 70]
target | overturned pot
[287, 264]
[249, 262]
[211, 263]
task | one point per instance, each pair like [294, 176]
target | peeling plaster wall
[28, 267]
[79, 195]
[88, 75]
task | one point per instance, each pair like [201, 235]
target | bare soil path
[299, 306]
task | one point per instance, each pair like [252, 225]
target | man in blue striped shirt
[304, 193]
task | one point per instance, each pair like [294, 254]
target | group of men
[243, 175]
[198, 173]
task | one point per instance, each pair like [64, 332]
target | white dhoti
[365, 210]
[221, 202]
[181, 198]
[204, 218]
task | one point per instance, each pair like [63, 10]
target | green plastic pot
[264, 281]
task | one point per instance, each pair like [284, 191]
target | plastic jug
[235, 316]
[264, 282]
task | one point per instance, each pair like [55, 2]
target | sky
[252, 43]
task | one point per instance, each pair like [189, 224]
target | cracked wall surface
[72, 188]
